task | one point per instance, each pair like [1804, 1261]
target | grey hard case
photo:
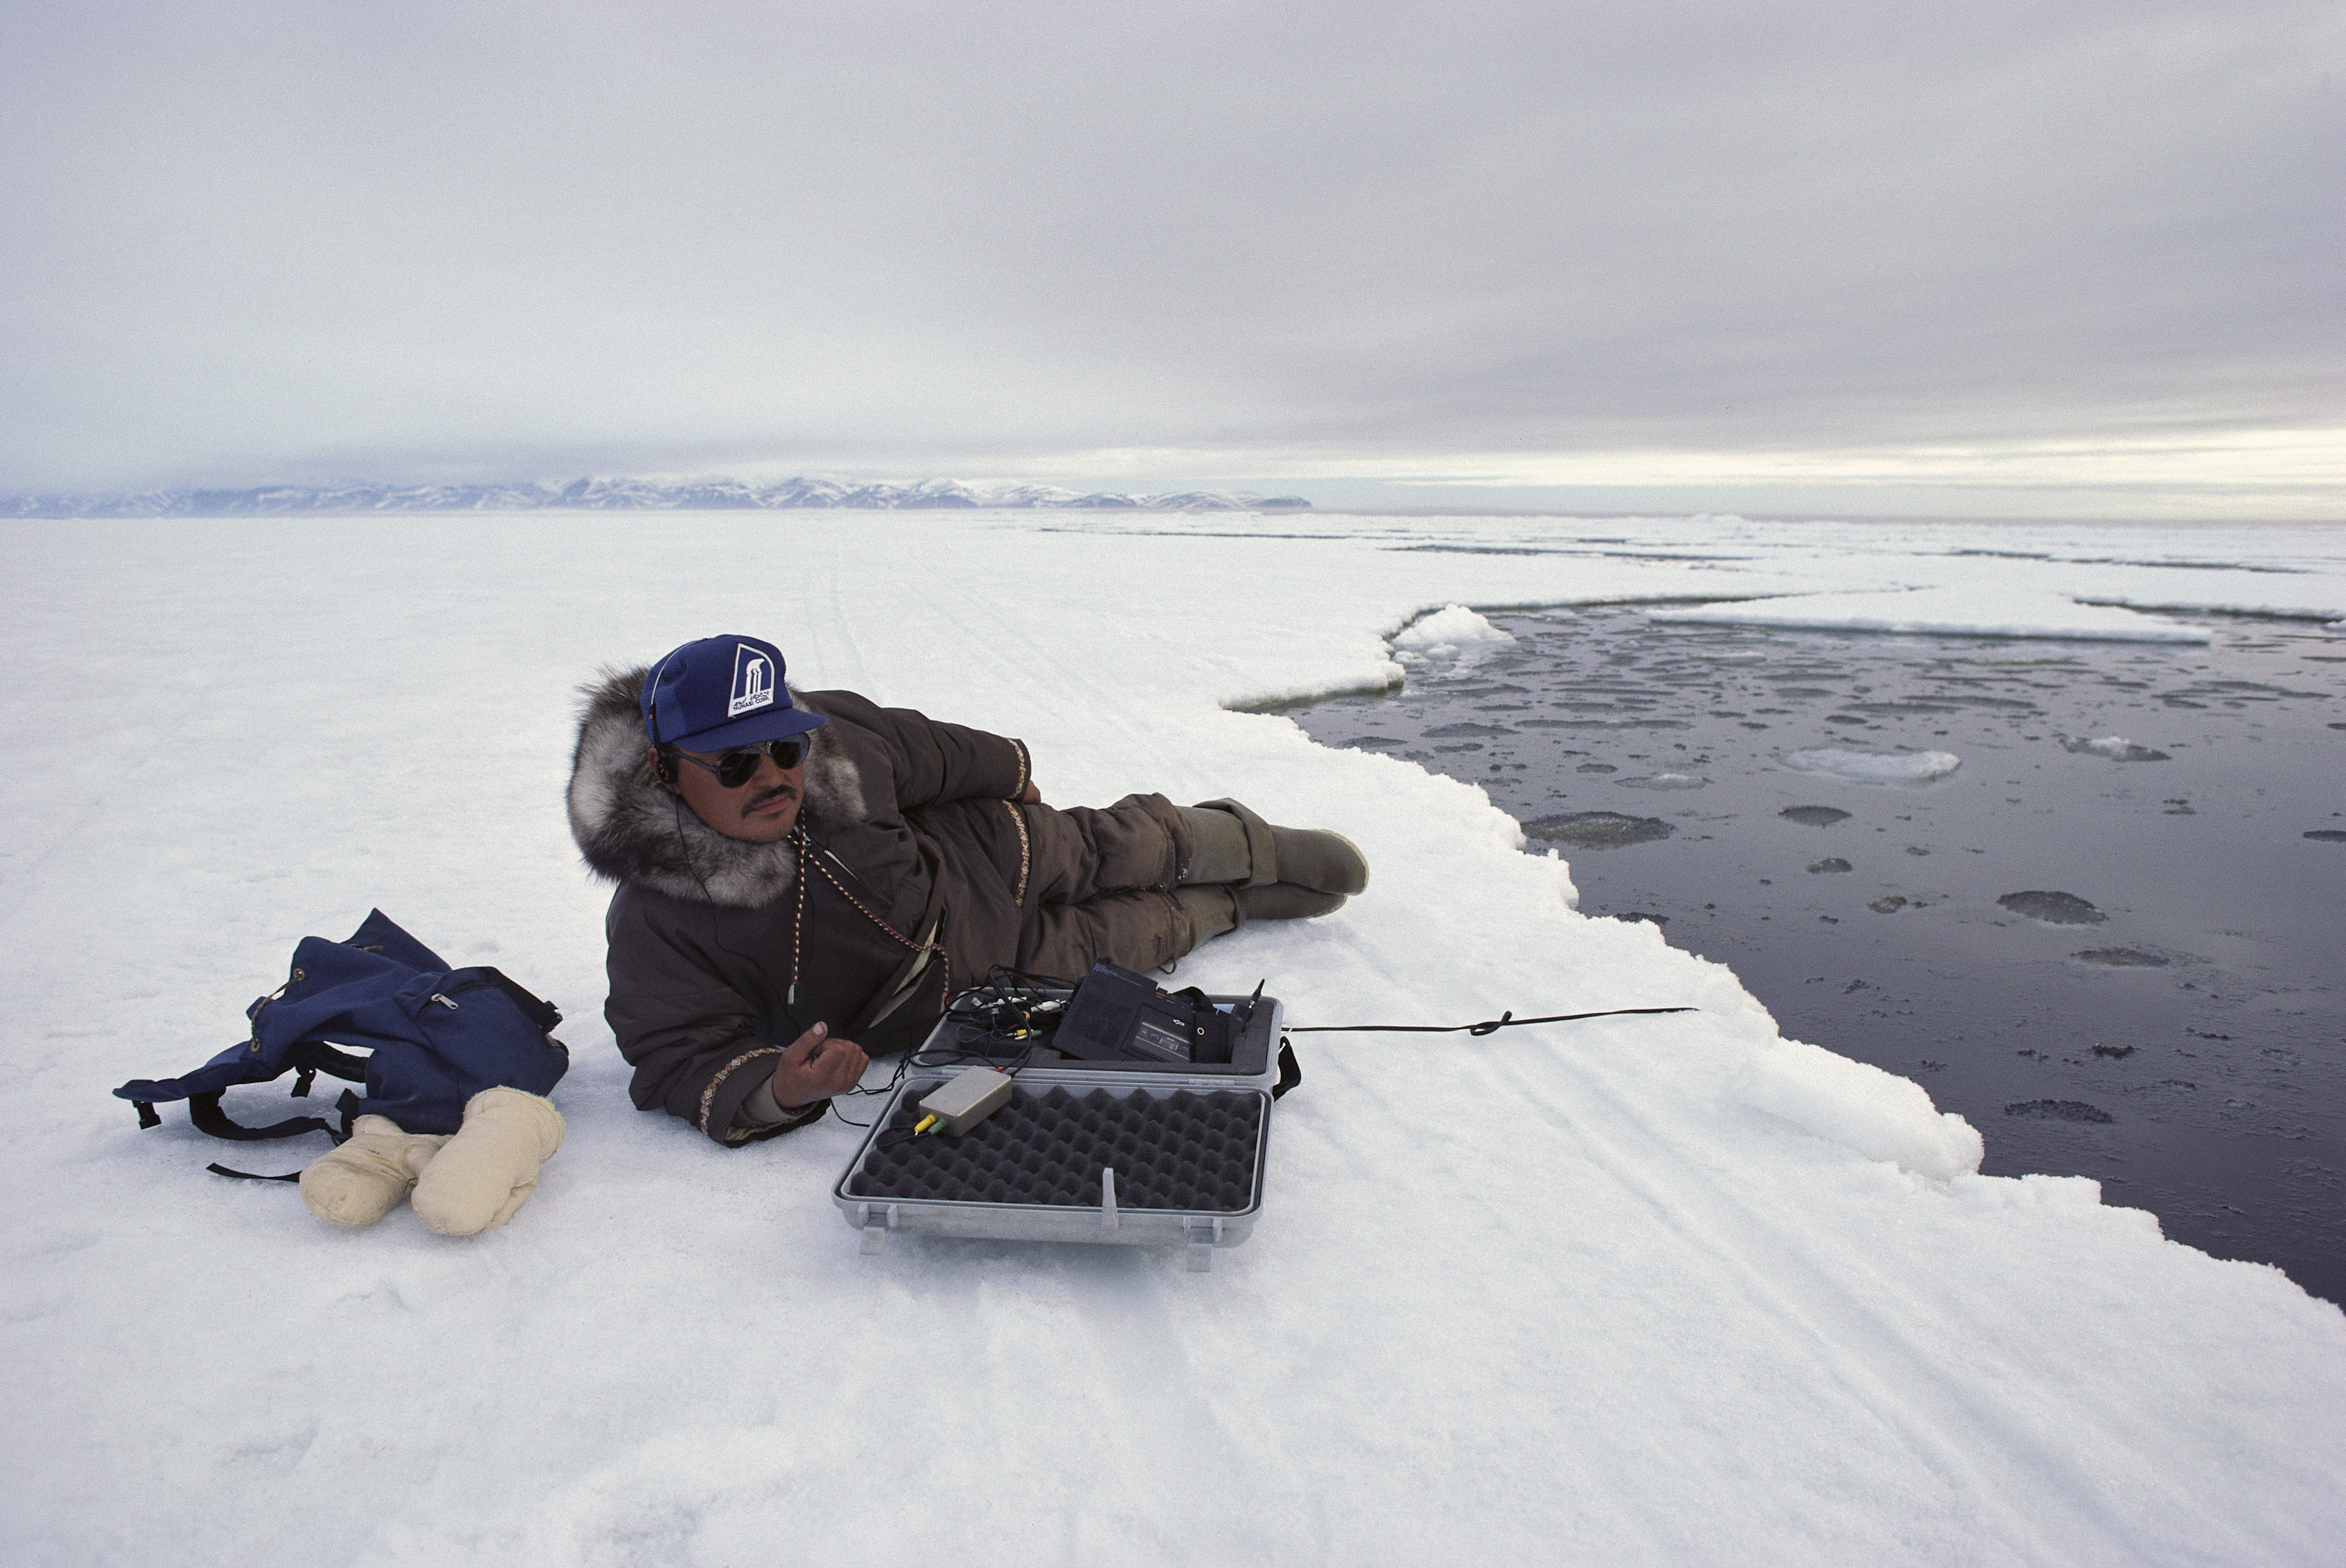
[1126, 1159]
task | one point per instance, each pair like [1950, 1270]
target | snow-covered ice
[1639, 1289]
[1872, 767]
[2019, 612]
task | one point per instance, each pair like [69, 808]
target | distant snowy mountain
[625, 494]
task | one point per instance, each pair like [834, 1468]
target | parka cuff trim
[759, 1109]
[1025, 769]
[728, 1132]
[1025, 853]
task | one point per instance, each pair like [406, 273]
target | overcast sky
[1999, 257]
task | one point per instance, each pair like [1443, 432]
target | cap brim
[772, 724]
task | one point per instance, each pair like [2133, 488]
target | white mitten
[358, 1182]
[490, 1166]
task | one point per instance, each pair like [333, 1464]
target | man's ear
[661, 769]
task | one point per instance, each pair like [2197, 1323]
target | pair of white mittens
[465, 1182]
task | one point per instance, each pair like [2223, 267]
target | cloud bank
[1720, 247]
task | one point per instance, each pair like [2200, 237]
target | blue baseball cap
[720, 693]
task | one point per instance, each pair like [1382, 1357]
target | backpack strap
[219, 1169]
[204, 1110]
[324, 1058]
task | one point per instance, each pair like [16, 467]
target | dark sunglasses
[735, 768]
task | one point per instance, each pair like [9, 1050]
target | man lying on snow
[787, 862]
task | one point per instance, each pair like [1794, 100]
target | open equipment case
[1114, 1139]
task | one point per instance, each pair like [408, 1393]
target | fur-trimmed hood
[631, 829]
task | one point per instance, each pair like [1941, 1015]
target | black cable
[895, 1078]
[1490, 1025]
[1000, 987]
[1003, 986]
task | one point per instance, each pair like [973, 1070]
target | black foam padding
[1183, 1151]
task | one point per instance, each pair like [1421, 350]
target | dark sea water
[2118, 961]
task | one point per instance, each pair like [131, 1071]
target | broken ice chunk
[2117, 747]
[1598, 829]
[2058, 1111]
[1874, 767]
[1447, 633]
[2053, 908]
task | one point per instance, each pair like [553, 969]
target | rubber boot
[490, 1166]
[365, 1178]
[1285, 901]
[1216, 909]
[1234, 844]
[1213, 910]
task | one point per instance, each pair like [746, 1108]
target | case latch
[1203, 1236]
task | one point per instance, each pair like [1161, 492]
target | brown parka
[920, 871]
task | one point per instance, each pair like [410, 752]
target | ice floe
[1873, 767]
[2053, 908]
[1957, 611]
[2117, 748]
[1598, 829]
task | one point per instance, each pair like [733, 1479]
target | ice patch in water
[2327, 836]
[1814, 816]
[2053, 908]
[2121, 958]
[1662, 781]
[2117, 747]
[1447, 633]
[1873, 767]
[1598, 829]
[2058, 1111]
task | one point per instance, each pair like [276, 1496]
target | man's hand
[1030, 796]
[815, 1068]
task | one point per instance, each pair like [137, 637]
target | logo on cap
[753, 681]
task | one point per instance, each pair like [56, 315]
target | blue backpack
[438, 1037]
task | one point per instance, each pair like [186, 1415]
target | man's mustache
[775, 793]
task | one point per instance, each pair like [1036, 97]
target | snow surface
[1646, 1289]
[1875, 767]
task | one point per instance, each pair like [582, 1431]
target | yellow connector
[925, 1124]
[971, 1097]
